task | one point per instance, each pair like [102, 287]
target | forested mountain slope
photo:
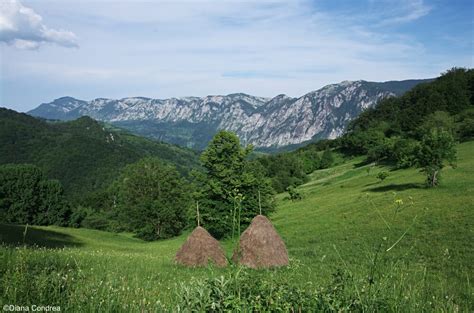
[83, 154]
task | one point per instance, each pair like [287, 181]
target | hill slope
[396, 244]
[263, 122]
[82, 154]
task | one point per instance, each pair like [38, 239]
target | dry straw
[260, 246]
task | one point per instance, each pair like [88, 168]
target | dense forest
[84, 155]
[84, 174]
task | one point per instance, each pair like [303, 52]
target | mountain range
[263, 122]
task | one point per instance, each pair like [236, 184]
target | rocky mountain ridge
[263, 122]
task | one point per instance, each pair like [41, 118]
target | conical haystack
[199, 249]
[260, 246]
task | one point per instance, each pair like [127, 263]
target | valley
[400, 243]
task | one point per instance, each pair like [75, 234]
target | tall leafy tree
[53, 206]
[229, 187]
[28, 197]
[153, 199]
[436, 148]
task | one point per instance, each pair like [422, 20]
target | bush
[294, 193]
[382, 175]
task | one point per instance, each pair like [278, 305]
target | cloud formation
[23, 28]
[407, 11]
[163, 48]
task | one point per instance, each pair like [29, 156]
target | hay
[199, 249]
[260, 246]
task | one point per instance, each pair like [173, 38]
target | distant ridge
[263, 122]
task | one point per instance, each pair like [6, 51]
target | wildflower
[399, 201]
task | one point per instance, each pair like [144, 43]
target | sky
[160, 49]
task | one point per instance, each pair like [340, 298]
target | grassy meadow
[355, 244]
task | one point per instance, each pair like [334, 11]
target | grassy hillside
[82, 154]
[390, 246]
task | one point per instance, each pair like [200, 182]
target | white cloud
[192, 47]
[404, 11]
[23, 28]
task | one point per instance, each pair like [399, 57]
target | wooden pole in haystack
[197, 211]
[259, 202]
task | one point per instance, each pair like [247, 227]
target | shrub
[294, 193]
[382, 175]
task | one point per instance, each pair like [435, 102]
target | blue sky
[160, 49]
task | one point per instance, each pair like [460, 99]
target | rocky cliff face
[263, 122]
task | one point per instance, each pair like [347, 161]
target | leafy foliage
[292, 168]
[229, 183]
[382, 175]
[285, 170]
[294, 193]
[436, 147]
[152, 199]
[28, 197]
[327, 159]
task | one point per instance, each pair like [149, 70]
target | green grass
[400, 244]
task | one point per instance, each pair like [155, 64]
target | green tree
[153, 199]
[28, 197]
[229, 186]
[404, 152]
[258, 192]
[284, 169]
[466, 125]
[382, 175]
[53, 207]
[436, 147]
[310, 160]
[327, 159]
[438, 120]
[19, 192]
[294, 193]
